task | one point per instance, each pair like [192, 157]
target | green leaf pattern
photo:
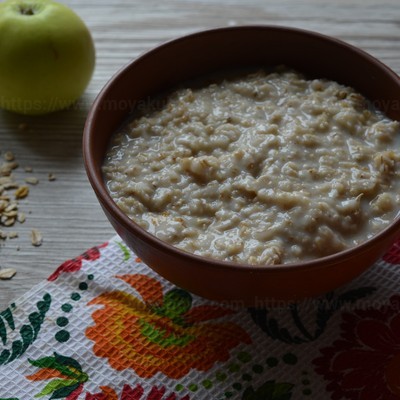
[60, 388]
[125, 251]
[28, 332]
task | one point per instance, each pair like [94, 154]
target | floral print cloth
[106, 327]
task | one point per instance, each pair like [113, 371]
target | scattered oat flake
[51, 177]
[7, 273]
[9, 156]
[32, 180]
[11, 214]
[5, 180]
[11, 207]
[28, 169]
[13, 235]
[6, 221]
[5, 170]
[21, 217]
[3, 235]
[36, 237]
[11, 164]
[22, 192]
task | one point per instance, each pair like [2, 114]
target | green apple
[47, 56]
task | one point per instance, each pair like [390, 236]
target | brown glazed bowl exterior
[225, 48]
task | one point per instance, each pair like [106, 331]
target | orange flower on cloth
[161, 332]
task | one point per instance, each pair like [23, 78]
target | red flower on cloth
[364, 364]
[393, 255]
[130, 393]
[76, 263]
[163, 332]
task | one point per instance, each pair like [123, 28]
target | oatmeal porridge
[262, 168]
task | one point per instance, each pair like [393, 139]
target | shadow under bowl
[206, 52]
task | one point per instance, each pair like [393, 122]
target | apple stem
[26, 10]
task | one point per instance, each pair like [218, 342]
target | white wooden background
[65, 210]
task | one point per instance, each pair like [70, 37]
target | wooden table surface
[65, 210]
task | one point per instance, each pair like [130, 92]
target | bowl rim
[108, 203]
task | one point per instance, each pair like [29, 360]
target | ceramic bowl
[205, 52]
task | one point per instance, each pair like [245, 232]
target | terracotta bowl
[196, 55]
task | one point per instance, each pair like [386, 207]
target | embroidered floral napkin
[106, 327]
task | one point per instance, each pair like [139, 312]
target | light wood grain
[66, 210]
